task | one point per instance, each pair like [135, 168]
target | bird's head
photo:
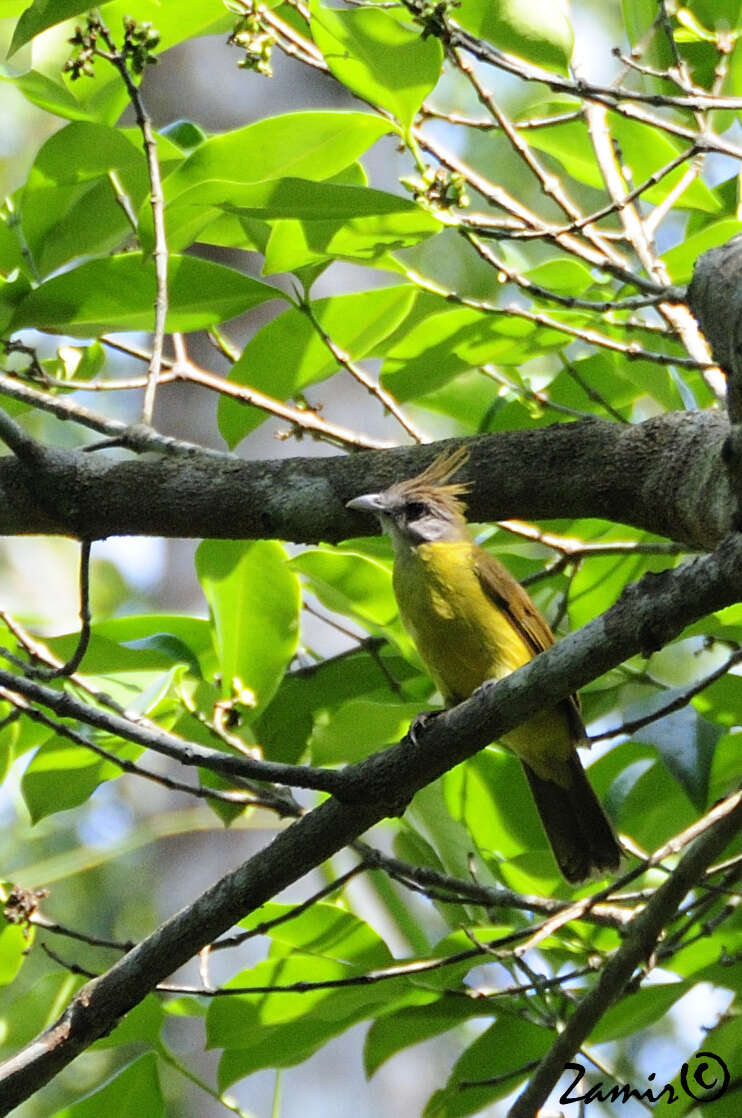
[423, 509]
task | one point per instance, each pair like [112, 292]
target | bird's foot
[419, 722]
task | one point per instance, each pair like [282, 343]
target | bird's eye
[416, 510]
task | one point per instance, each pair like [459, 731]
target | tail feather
[576, 826]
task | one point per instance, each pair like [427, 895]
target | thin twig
[632, 350]
[678, 316]
[159, 251]
[62, 730]
[630, 726]
[70, 666]
[550, 183]
[385, 398]
[304, 420]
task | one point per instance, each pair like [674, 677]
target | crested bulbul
[472, 621]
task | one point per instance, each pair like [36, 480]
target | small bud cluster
[251, 35]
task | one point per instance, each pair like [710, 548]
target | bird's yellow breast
[461, 635]
[464, 639]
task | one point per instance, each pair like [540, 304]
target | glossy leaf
[68, 206]
[637, 1011]
[15, 943]
[134, 1090]
[254, 599]
[282, 1028]
[412, 1025]
[537, 30]
[288, 354]
[358, 728]
[117, 294]
[644, 150]
[325, 930]
[63, 775]
[324, 218]
[686, 743]
[349, 583]
[452, 341]
[386, 61]
[489, 1057]
[173, 21]
[42, 14]
[308, 145]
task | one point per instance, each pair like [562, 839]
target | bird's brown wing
[527, 620]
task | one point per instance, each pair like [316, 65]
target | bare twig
[712, 834]
[118, 59]
[303, 420]
[385, 398]
[70, 666]
[630, 726]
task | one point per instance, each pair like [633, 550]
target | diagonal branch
[641, 937]
[654, 610]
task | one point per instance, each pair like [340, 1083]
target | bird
[472, 621]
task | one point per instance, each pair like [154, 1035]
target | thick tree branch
[640, 939]
[665, 475]
[654, 610]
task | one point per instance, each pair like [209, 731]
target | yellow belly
[464, 639]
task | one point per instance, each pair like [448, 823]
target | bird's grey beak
[367, 502]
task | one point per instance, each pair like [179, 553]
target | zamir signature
[703, 1079]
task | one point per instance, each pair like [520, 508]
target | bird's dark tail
[576, 826]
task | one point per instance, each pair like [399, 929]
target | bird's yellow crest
[433, 484]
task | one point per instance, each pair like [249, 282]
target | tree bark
[671, 475]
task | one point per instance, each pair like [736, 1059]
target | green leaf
[565, 275]
[142, 1023]
[489, 795]
[42, 14]
[381, 58]
[350, 583]
[637, 1011]
[255, 599]
[359, 727]
[62, 775]
[644, 150]
[68, 207]
[537, 30]
[680, 261]
[285, 727]
[708, 1070]
[411, 1025]
[653, 806]
[686, 743]
[47, 94]
[327, 217]
[174, 21]
[295, 244]
[282, 1028]
[287, 355]
[134, 1090]
[185, 133]
[599, 582]
[117, 294]
[15, 944]
[445, 344]
[505, 1049]
[307, 145]
[325, 930]
[25, 1016]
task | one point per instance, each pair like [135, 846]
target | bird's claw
[419, 722]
